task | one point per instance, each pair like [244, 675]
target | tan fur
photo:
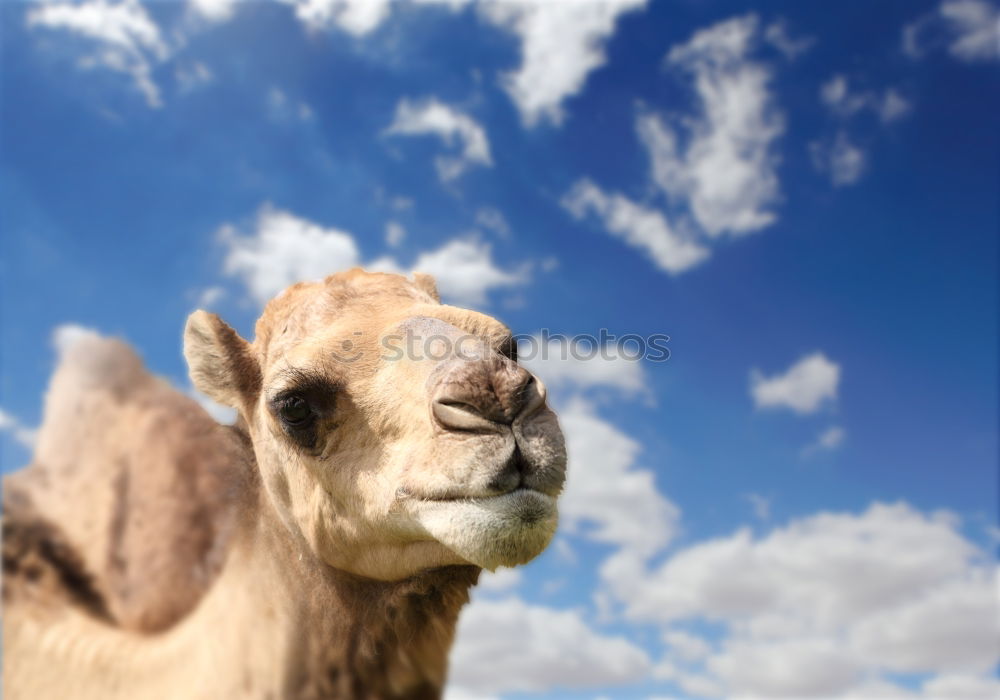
[149, 552]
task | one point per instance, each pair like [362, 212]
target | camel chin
[505, 530]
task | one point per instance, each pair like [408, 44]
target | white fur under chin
[489, 532]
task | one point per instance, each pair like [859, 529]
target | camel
[387, 448]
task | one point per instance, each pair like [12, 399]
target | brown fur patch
[40, 567]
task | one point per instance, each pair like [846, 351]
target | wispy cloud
[968, 29]
[727, 172]
[844, 161]
[561, 44]
[125, 38]
[640, 227]
[432, 117]
[716, 168]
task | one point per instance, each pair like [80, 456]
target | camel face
[393, 434]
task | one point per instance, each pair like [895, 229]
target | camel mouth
[519, 490]
[499, 530]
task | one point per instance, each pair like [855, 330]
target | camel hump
[137, 478]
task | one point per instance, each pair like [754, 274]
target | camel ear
[427, 284]
[220, 363]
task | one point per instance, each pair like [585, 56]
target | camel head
[392, 433]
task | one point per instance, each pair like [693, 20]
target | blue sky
[802, 196]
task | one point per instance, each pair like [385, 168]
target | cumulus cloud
[803, 387]
[499, 580]
[564, 362]
[814, 608]
[465, 271]
[126, 39]
[608, 499]
[726, 173]
[506, 646]
[561, 43]
[432, 117]
[640, 227]
[284, 248]
[969, 29]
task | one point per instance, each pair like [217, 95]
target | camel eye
[295, 411]
[508, 348]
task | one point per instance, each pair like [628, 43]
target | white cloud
[687, 646]
[761, 505]
[465, 271]
[961, 686]
[508, 646]
[283, 109]
[356, 17]
[816, 607]
[564, 362]
[607, 499]
[777, 35]
[499, 580]
[837, 95]
[209, 297]
[561, 43]
[726, 174]
[21, 433]
[394, 234]
[127, 39]
[892, 106]
[970, 29]
[284, 248]
[952, 627]
[429, 116]
[798, 668]
[975, 29]
[640, 227]
[844, 161]
[831, 438]
[492, 219]
[719, 175]
[802, 388]
[191, 76]
[214, 10]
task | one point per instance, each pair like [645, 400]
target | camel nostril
[460, 415]
[484, 395]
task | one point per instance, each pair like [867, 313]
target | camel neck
[346, 636]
